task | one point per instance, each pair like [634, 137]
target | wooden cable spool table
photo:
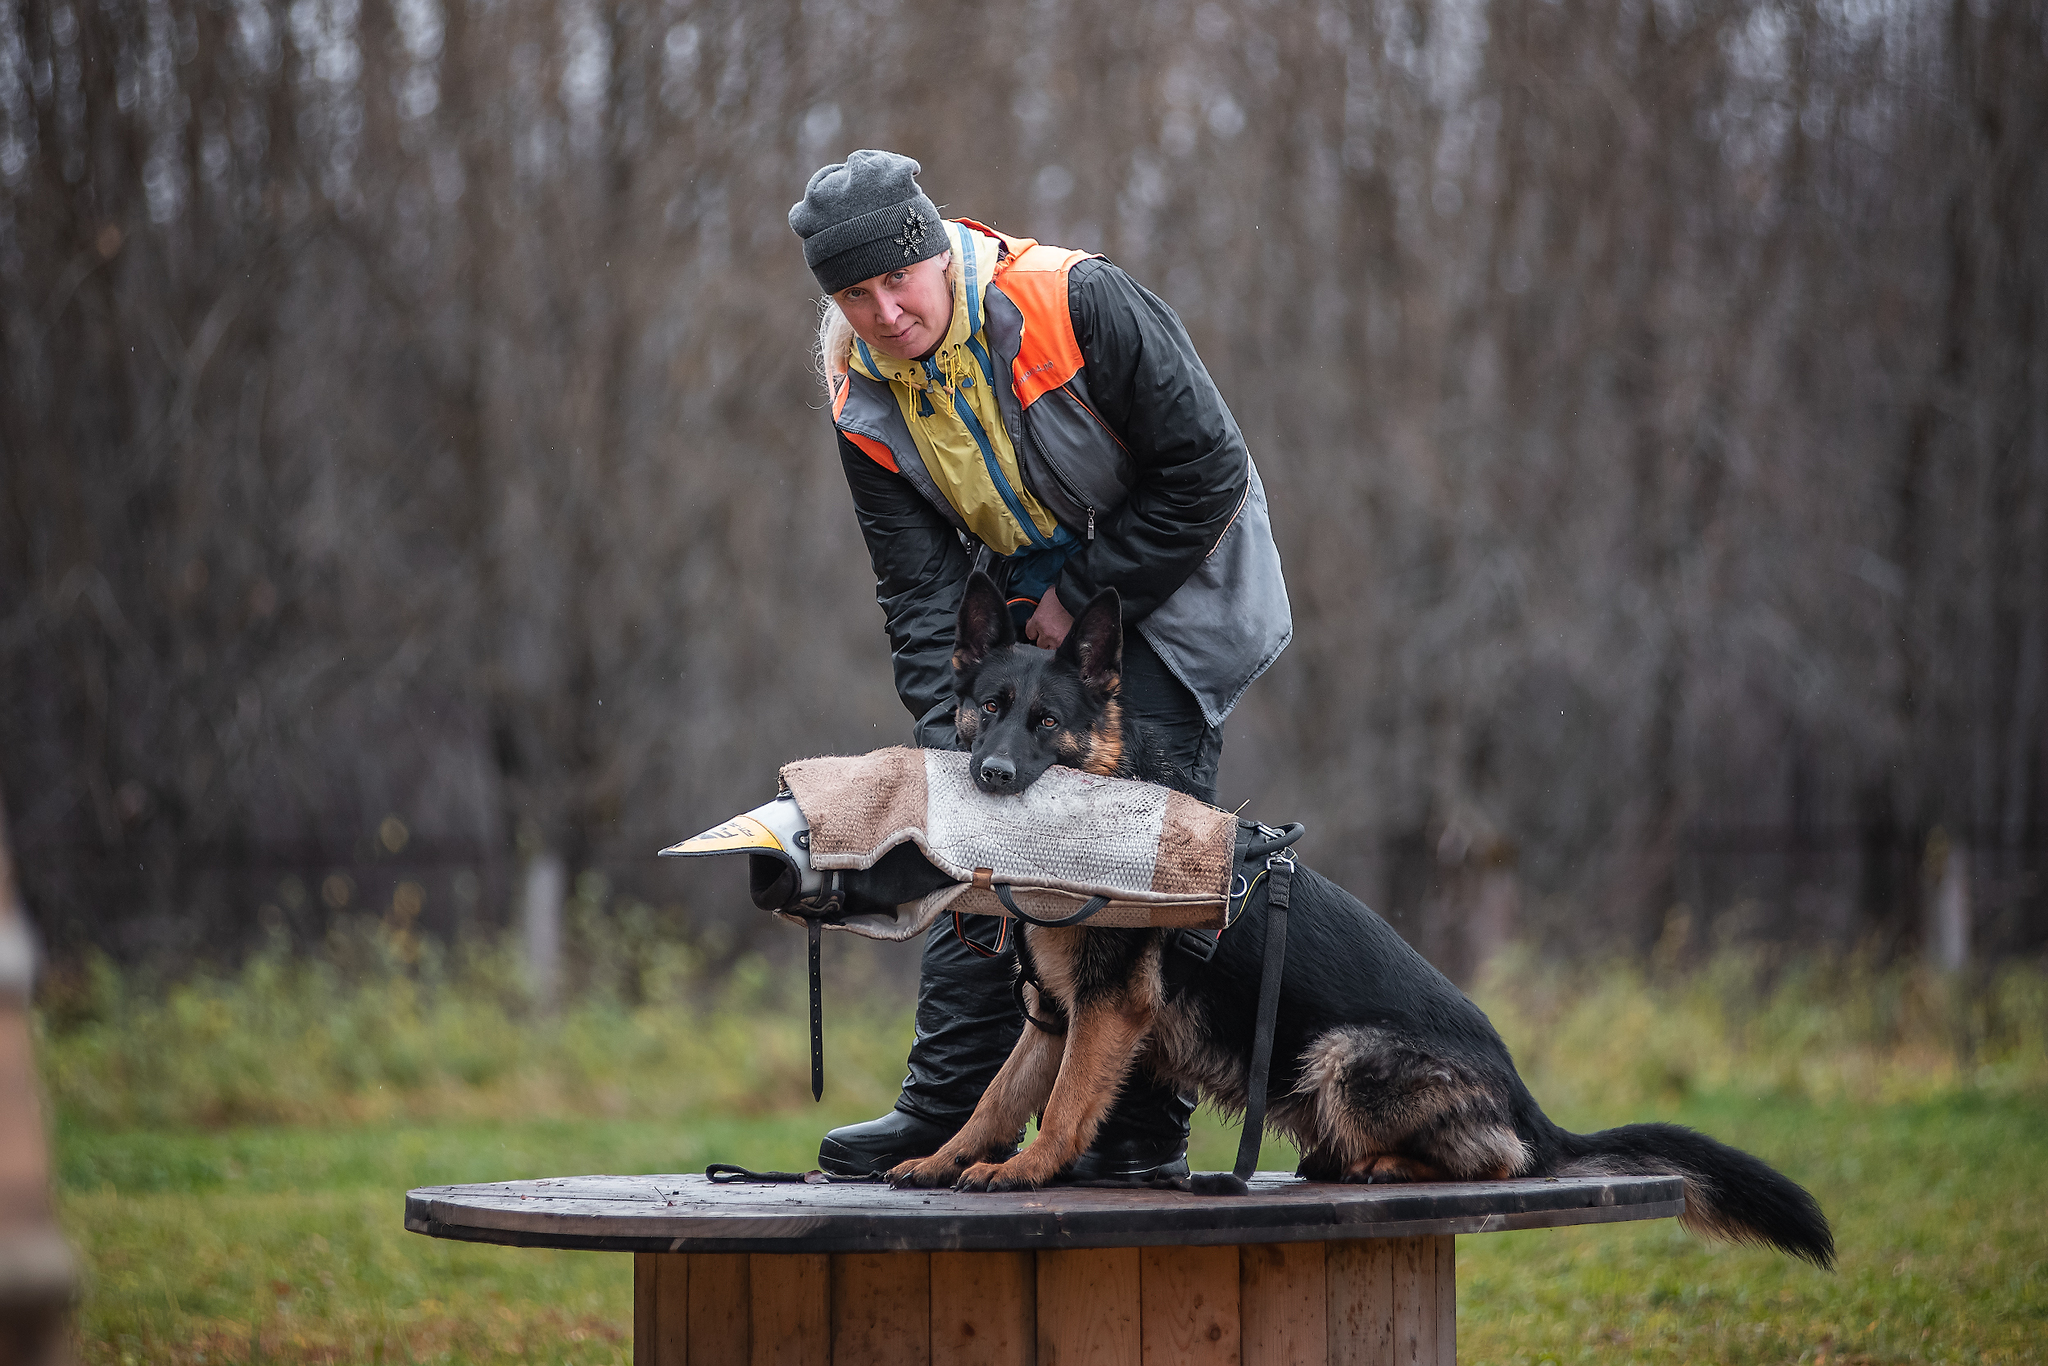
[802, 1275]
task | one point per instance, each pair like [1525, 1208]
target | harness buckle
[1197, 944]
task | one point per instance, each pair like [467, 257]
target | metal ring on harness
[1266, 843]
[1087, 911]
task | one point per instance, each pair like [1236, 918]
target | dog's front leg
[1102, 1040]
[1020, 1088]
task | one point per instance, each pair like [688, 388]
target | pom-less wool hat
[865, 216]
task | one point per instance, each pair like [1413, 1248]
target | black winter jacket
[1153, 391]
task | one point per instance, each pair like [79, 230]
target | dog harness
[1073, 848]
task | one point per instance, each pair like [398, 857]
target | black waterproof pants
[967, 1022]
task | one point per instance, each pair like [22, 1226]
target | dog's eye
[1048, 721]
[989, 707]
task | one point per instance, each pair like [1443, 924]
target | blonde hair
[833, 351]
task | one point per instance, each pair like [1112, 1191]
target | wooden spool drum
[791, 1275]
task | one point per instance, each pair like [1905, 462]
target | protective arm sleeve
[920, 567]
[1152, 390]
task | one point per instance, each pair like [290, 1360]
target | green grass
[232, 1156]
[286, 1245]
[1940, 1211]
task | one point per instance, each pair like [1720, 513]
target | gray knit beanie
[863, 217]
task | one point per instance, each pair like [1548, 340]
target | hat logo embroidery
[912, 236]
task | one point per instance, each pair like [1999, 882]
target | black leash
[726, 1174]
[1279, 879]
[815, 914]
[817, 932]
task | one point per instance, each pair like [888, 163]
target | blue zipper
[967, 417]
[995, 470]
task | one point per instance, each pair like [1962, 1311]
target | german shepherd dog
[1382, 1070]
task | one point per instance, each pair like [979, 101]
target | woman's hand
[1050, 623]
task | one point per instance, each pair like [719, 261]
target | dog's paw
[977, 1177]
[991, 1176]
[1389, 1170]
[924, 1173]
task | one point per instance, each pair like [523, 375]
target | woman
[1036, 413]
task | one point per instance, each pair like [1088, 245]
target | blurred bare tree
[413, 473]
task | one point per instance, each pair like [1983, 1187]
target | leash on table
[727, 1174]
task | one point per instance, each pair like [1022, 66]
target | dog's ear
[1095, 642]
[984, 624]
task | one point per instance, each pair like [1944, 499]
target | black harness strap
[1087, 911]
[1279, 888]
[1024, 1009]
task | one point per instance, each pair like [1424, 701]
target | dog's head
[1022, 709]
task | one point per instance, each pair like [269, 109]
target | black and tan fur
[1382, 1069]
[1022, 709]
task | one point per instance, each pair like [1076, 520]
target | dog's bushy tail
[1728, 1193]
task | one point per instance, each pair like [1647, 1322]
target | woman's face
[903, 313]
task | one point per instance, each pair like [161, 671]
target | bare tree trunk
[1951, 914]
[540, 917]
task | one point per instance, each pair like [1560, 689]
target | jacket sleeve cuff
[935, 729]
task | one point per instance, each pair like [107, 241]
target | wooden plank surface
[1446, 1300]
[1187, 1306]
[881, 1309]
[984, 1308]
[644, 1271]
[1088, 1308]
[690, 1214]
[792, 1308]
[720, 1324]
[670, 1330]
[1415, 1287]
[1282, 1304]
[1359, 1277]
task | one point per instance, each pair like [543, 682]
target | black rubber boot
[874, 1147]
[1144, 1137]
